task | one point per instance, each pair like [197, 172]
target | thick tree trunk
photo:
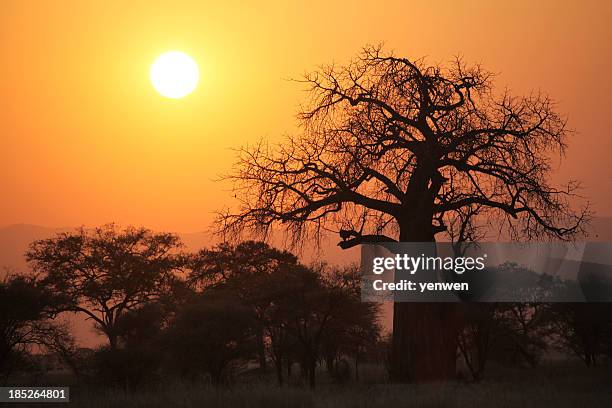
[425, 341]
[425, 335]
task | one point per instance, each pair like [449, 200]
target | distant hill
[14, 241]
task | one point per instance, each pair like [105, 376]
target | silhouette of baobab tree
[394, 149]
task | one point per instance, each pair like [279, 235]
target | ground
[558, 385]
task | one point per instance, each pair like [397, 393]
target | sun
[174, 74]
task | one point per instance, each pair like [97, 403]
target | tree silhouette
[294, 310]
[309, 307]
[26, 310]
[397, 150]
[247, 268]
[584, 329]
[106, 272]
[212, 334]
[354, 330]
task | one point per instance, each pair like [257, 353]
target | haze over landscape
[86, 141]
[14, 241]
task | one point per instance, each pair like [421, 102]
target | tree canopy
[107, 271]
[398, 149]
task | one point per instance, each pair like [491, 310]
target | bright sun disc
[174, 74]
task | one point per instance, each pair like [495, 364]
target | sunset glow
[80, 117]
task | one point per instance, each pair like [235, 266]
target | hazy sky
[84, 139]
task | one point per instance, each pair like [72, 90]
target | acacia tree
[394, 149]
[584, 329]
[309, 307]
[247, 268]
[354, 329]
[27, 308]
[215, 333]
[105, 272]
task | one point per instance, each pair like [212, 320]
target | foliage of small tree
[26, 310]
[107, 271]
[211, 335]
[248, 268]
[584, 330]
[137, 360]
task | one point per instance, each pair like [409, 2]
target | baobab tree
[394, 149]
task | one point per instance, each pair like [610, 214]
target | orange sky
[84, 139]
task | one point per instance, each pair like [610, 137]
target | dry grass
[544, 387]
[559, 387]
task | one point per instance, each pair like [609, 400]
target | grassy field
[554, 386]
[443, 395]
